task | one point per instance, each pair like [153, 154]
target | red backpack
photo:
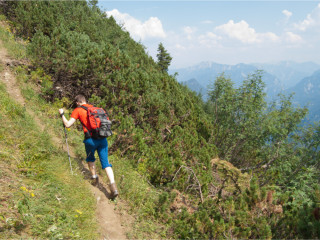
[99, 122]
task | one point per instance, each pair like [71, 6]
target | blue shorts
[101, 145]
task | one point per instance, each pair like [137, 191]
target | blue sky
[228, 32]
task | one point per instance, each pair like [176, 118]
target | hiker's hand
[61, 111]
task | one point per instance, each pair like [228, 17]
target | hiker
[91, 144]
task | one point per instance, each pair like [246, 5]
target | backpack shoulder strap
[85, 108]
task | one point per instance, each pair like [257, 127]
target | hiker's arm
[68, 123]
[65, 121]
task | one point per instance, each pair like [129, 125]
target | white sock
[110, 174]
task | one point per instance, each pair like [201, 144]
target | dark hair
[80, 99]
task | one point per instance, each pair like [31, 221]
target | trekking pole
[65, 133]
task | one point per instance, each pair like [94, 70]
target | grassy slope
[38, 195]
[43, 195]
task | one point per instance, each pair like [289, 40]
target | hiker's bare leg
[110, 175]
[92, 168]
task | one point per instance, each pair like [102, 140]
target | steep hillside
[40, 197]
[158, 118]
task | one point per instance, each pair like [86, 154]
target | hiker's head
[80, 99]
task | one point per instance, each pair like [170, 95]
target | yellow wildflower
[78, 211]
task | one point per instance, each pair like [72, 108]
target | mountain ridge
[282, 77]
[186, 73]
[306, 93]
[206, 72]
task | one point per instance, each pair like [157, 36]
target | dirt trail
[110, 225]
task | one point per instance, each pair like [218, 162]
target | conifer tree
[164, 58]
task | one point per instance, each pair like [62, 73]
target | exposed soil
[110, 222]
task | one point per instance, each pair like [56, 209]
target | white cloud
[269, 36]
[306, 23]
[209, 39]
[287, 13]
[152, 28]
[189, 31]
[292, 38]
[180, 47]
[312, 20]
[244, 33]
[240, 31]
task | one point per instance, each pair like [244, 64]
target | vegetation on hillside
[268, 141]
[170, 136]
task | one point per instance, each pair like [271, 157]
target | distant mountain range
[286, 77]
[307, 93]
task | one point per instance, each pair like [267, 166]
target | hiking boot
[114, 190]
[95, 180]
